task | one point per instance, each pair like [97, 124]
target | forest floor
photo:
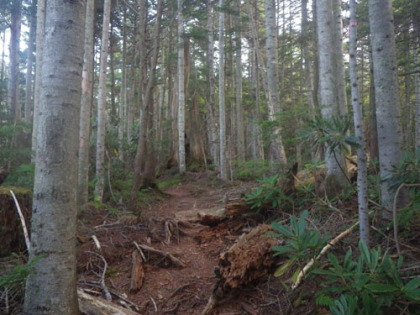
[166, 288]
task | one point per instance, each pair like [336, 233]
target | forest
[209, 157]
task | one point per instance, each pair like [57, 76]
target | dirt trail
[166, 289]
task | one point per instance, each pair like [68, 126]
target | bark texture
[100, 138]
[335, 163]
[52, 288]
[86, 104]
[181, 92]
[359, 128]
[386, 94]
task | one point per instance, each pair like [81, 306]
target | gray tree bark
[238, 86]
[181, 92]
[40, 33]
[359, 127]
[29, 65]
[277, 153]
[386, 93]
[100, 138]
[51, 289]
[222, 109]
[212, 118]
[417, 88]
[13, 94]
[86, 103]
[335, 163]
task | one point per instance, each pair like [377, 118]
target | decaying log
[91, 305]
[237, 208]
[249, 259]
[137, 272]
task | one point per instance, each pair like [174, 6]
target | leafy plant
[250, 170]
[23, 176]
[268, 195]
[407, 171]
[373, 281]
[301, 243]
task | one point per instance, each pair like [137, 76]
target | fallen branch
[104, 288]
[308, 266]
[394, 214]
[171, 257]
[22, 220]
[97, 306]
[140, 251]
[96, 241]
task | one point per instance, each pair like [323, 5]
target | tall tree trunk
[277, 153]
[13, 83]
[222, 107]
[307, 60]
[100, 138]
[122, 110]
[86, 103]
[417, 87]
[40, 34]
[181, 92]
[51, 289]
[238, 87]
[338, 49]
[2, 75]
[143, 153]
[29, 65]
[359, 128]
[212, 116]
[386, 93]
[372, 130]
[336, 167]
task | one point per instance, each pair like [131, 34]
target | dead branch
[96, 241]
[104, 288]
[97, 306]
[137, 272]
[140, 251]
[308, 266]
[22, 220]
[164, 254]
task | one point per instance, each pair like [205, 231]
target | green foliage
[250, 170]
[301, 243]
[12, 134]
[370, 285]
[332, 131]
[23, 176]
[18, 274]
[268, 195]
[407, 171]
[172, 181]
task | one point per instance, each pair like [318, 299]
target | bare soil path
[169, 227]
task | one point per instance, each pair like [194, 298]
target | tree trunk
[181, 92]
[338, 49]
[13, 83]
[40, 34]
[86, 104]
[29, 65]
[122, 110]
[386, 93]
[100, 140]
[51, 289]
[238, 67]
[277, 153]
[212, 116]
[359, 129]
[222, 109]
[336, 178]
[417, 89]
[373, 131]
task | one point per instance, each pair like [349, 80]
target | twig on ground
[171, 257]
[323, 251]
[154, 304]
[394, 214]
[22, 220]
[105, 289]
[96, 241]
[140, 251]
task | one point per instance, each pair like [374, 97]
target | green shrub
[301, 243]
[250, 170]
[268, 195]
[23, 176]
[370, 285]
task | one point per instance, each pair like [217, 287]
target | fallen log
[137, 272]
[172, 258]
[249, 259]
